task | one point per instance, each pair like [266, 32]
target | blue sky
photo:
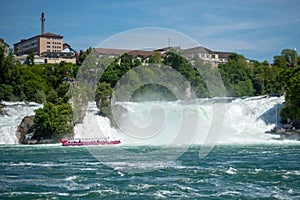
[258, 29]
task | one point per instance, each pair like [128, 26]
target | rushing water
[227, 172]
[9, 122]
[245, 121]
[245, 163]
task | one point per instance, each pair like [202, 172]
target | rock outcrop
[3, 111]
[118, 112]
[79, 105]
[26, 127]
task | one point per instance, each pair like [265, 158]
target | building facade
[207, 55]
[47, 42]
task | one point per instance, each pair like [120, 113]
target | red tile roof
[51, 35]
[110, 52]
[41, 35]
[119, 52]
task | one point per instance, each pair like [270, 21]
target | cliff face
[116, 115]
[25, 127]
[108, 108]
[2, 110]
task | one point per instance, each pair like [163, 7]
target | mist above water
[177, 122]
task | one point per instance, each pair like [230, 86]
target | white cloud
[148, 38]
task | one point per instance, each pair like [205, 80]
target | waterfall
[16, 111]
[245, 120]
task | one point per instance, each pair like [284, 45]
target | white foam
[245, 122]
[16, 111]
[71, 178]
[37, 164]
[88, 169]
[231, 170]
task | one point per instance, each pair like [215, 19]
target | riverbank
[287, 132]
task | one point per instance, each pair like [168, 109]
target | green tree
[6, 92]
[103, 97]
[156, 58]
[83, 55]
[63, 92]
[290, 79]
[290, 112]
[53, 121]
[30, 58]
[237, 76]
[290, 56]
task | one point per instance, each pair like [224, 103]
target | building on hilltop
[47, 48]
[139, 54]
[207, 55]
[119, 52]
[109, 52]
[47, 42]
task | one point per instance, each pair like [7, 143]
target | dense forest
[133, 79]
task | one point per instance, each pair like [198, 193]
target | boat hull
[89, 142]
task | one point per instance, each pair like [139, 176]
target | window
[48, 46]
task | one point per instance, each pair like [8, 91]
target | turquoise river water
[253, 171]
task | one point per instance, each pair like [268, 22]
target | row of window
[28, 45]
[212, 56]
[48, 38]
[205, 55]
[48, 50]
[54, 42]
[54, 47]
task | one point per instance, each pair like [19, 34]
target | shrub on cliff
[290, 79]
[103, 98]
[53, 121]
[289, 113]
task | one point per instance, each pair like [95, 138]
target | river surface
[268, 171]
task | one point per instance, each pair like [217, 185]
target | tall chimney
[43, 23]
